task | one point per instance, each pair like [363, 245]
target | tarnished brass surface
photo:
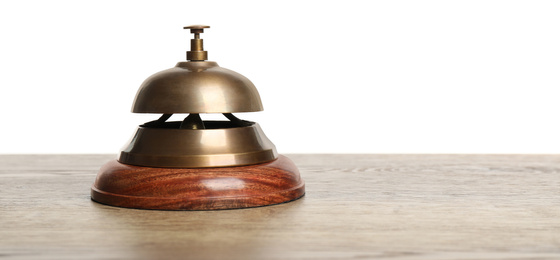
[221, 144]
[197, 87]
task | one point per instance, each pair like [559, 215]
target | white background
[334, 77]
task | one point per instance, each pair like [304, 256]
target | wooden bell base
[256, 185]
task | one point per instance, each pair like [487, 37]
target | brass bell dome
[197, 87]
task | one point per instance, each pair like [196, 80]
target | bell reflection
[224, 184]
[215, 140]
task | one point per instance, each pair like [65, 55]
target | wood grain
[356, 207]
[256, 185]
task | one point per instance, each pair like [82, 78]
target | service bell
[196, 164]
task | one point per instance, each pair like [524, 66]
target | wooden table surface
[356, 207]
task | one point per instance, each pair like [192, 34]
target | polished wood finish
[257, 185]
[356, 207]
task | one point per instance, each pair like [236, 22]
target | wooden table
[356, 207]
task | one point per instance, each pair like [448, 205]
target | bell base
[256, 185]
